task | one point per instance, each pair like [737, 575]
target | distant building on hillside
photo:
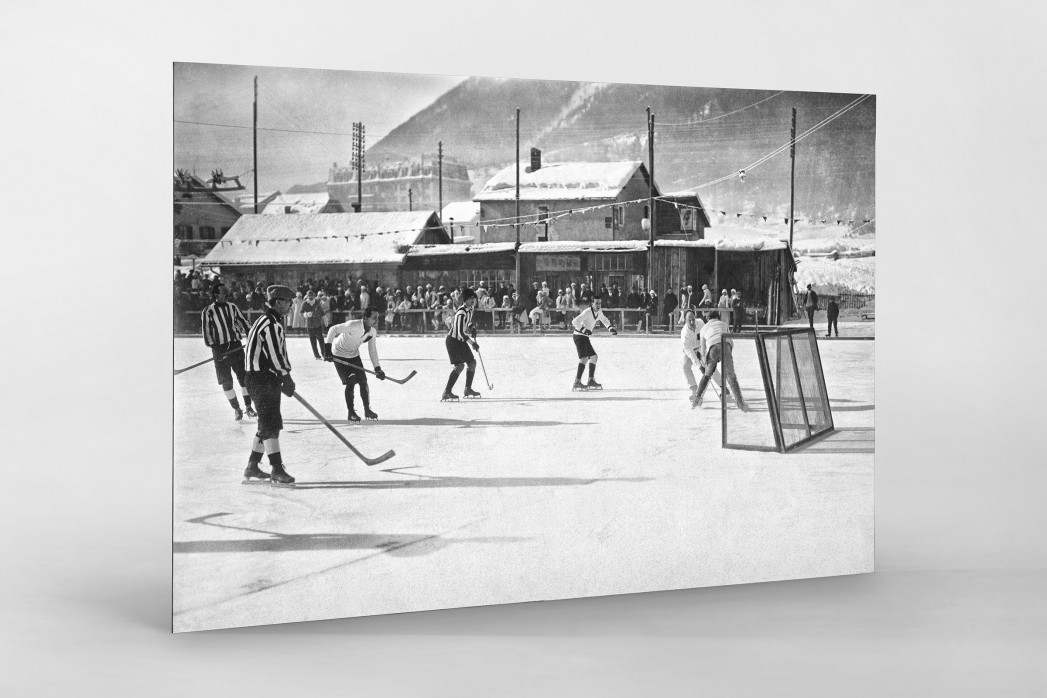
[401, 186]
[311, 202]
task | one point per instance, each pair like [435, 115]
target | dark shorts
[584, 346]
[226, 366]
[264, 389]
[347, 374]
[457, 351]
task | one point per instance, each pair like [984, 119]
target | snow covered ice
[532, 492]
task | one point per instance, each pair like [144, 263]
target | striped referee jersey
[223, 323]
[458, 325]
[266, 349]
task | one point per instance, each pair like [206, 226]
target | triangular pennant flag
[765, 219]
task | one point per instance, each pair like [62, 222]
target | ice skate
[448, 396]
[255, 475]
[251, 413]
[578, 385]
[280, 478]
[470, 393]
[238, 414]
[593, 385]
[742, 405]
[353, 416]
[369, 414]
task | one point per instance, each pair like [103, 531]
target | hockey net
[781, 378]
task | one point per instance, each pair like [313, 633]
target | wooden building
[293, 248]
[459, 265]
[401, 186]
[582, 202]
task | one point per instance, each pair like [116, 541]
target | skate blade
[473, 397]
[448, 399]
[255, 481]
[286, 485]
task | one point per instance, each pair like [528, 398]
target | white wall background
[956, 607]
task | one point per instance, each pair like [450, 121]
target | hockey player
[691, 346]
[457, 343]
[223, 327]
[343, 342]
[269, 375]
[584, 323]
[714, 348]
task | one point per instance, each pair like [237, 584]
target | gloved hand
[476, 345]
[379, 373]
[471, 329]
[587, 333]
[287, 385]
[614, 331]
[328, 356]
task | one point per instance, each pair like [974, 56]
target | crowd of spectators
[321, 303]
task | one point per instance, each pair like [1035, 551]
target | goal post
[786, 366]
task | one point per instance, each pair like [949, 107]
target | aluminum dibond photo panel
[453, 341]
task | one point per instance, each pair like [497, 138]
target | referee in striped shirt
[224, 325]
[269, 375]
[457, 343]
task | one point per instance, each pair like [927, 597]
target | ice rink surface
[531, 492]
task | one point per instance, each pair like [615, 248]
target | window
[619, 216]
[207, 232]
[183, 232]
[608, 262]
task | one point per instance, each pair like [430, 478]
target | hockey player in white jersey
[342, 346]
[691, 345]
[584, 323]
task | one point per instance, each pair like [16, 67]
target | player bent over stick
[224, 325]
[716, 349]
[691, 346]
[584, 322]
[269, 375]
[343, 342]
[457, 343]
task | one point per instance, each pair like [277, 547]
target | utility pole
[440, 181]
[358, 161]
[650, 199]
[792, 177]
[254, 138]
[516, 223]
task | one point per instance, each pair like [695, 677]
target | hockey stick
[207, 361]
[401, 381]
[370, 461]
[490, 385]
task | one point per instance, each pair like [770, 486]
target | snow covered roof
[561, 246]
[319, 238]
[461, 212]
[561, 181]
[482, 248]
[313, 202]
[729, 245]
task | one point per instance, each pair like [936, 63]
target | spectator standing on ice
[669, 304]
[714, 350]
[738, 311]
[561, 308]
[585, 296]
[364, 299]
[297, 319]
[833, 311]
[223, 326]
[343, 342]
[457, 344]
[314, 324]
[616, 297]
[485, 316]
[810, 305]
[538, 311]
[584, 323]
[724, 302]
[269, 375]
[519, 314]
[652, 309]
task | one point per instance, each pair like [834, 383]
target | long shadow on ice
[436, 422]
[430, 482]
[400, 544]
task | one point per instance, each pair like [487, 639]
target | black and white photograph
[546, 349]
[457, 341]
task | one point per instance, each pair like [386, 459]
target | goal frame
[772, 390]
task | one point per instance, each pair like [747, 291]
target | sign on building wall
[557, 262]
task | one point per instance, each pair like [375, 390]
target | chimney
[536, 160]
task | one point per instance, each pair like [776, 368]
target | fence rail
[497, 321]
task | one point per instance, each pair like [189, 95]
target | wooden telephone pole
[254, 139]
